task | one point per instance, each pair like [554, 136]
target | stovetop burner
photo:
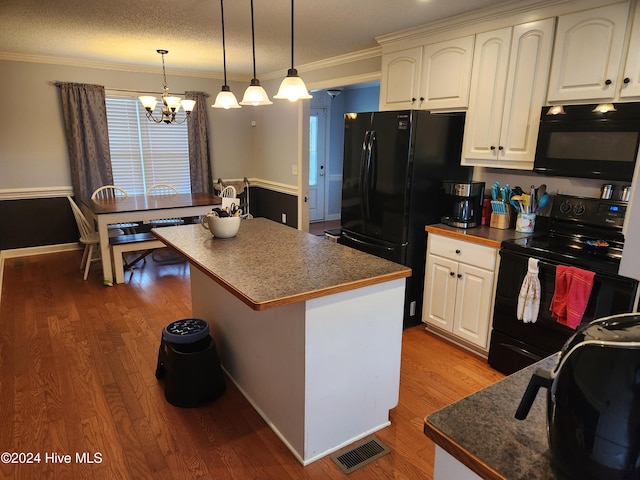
[584, 232]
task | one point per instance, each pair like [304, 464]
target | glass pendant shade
[292, 87]
[173, 102]
[255, 95]
[148, 102]
[188, 105]
[226, 99]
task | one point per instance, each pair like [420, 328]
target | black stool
[189, 360]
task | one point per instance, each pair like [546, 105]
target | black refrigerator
[393, 168]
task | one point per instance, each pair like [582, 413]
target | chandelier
[170, 104]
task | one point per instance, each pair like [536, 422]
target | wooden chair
[228, 192]
[163, 189]
[108, 192]
[88, 237]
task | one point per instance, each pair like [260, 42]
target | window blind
[144, 153]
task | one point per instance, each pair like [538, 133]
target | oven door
[515, 344]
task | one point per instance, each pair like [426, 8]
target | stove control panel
[587, 210]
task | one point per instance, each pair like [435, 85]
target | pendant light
[254, 94]
[225, 99]
[292, 87]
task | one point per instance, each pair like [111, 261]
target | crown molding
[35, 192]
[122, 67]
[469, 19]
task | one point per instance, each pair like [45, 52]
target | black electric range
[582, 232]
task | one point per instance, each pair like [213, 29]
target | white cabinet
[630, 85]
[446, 74]
[459, 286]
[587, 54]
[433, 77]
[508, 88]
[400, 80]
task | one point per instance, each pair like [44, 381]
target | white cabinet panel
[508, 89]
[441, 274]
[446, 74]
[400, 80]
[587, 54]
[473, 304]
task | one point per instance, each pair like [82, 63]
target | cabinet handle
[413, 99]
[492, 147]
[458, 252]
[421, 99]
[626, 80]
[452, 273]
[459, 275]
[500, 147]
[607, 82]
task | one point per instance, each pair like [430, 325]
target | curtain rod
[134, 92]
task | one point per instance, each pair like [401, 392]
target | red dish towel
[573, 288]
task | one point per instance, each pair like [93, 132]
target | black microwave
[584, 142]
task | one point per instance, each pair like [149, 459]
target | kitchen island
[309, 330]
[479, 437]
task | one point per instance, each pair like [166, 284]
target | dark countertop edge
[461, 454]
[483, 235]
[278, 302]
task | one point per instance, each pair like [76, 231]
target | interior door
[317, 162]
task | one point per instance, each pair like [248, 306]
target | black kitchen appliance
[585, 142]
[582, 232]
[393, 168]
[463, 203]
[593, 401]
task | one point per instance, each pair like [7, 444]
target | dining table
[141, 208]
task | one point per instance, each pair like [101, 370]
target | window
[143, 152]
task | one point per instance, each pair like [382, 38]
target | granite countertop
[268, 264]
[483, 234]
[483, 434]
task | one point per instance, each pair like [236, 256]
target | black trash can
[189, 363]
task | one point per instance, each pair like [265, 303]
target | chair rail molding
[35, 192]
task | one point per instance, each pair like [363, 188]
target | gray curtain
[85, 125]
[199, 164]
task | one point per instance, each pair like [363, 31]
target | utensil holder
[526, 222]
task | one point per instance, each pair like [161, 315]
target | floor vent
[360, 455]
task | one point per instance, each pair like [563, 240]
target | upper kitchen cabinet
[630, 86]
[400, 82]
[508, 89]
[588, 53]
[446, 74]
[432, 77]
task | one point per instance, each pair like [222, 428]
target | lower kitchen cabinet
[459, 288]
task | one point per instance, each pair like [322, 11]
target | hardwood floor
[77, 363]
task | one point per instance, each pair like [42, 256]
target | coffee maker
[463, 203]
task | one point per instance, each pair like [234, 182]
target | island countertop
[481, 431]
[268, 264]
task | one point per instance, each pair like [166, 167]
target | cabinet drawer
[461, 251]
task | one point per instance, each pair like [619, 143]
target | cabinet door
[474, 294]
[486, 98]
[587, 54]
[630, 86]
[526, 89]
[440, 292]
[400, 79]
[446, 74]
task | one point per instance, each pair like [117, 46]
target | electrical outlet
[294, 169]
[284, 218]
[253, 123]
[412, 309]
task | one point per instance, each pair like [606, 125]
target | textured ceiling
[128, 32]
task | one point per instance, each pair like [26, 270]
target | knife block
[504, 221]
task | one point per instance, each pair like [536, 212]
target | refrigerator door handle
[363, 174]
[368, 176]
[362, 242]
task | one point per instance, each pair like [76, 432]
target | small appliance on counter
[463, 203]
[592, 400]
